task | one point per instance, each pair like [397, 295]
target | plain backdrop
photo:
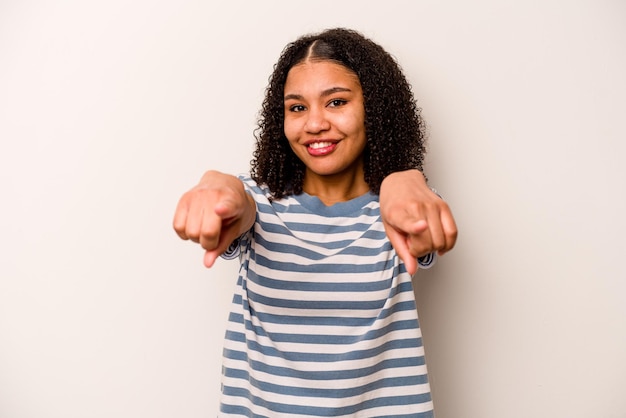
[109, 111]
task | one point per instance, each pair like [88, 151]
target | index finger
[399, 243]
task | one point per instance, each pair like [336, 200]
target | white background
[109, 111]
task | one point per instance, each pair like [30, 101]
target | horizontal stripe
[317, 304]
[337, 301]
[336, 398]
[325, 391]
[348, 229]
[233, 368]
[340, 322]
[316, 251]
[316, 357]
[318, 268]
[326, 411]
[351, 284]
[423, 410]
[310, 338]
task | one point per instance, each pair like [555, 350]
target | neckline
[315, 205]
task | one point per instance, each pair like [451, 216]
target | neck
[336, 188]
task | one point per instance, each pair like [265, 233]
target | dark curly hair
[394, 127]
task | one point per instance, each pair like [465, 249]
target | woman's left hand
[416, 220]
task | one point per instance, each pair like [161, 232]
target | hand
[214, 213]
[416, 220]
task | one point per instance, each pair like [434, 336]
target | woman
[323, 321]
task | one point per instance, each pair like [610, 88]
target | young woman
[327, 227]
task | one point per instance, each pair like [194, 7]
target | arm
[214, 213]
[416, 220]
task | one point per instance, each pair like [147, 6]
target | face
[324, 120]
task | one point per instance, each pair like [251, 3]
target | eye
[296, 108]
[337, 102]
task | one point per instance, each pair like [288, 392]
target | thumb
[226, 208]
[416, 227]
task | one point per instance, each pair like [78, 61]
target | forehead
[312, 73]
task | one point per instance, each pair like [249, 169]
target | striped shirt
[323, 321]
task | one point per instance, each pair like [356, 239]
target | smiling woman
[324, 319]
[325, 127]
[392, 121]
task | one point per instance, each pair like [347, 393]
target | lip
[323, 150]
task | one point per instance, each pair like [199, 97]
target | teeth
[316, 145]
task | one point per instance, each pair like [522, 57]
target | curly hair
[394, 127]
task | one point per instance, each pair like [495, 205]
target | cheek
[290, 130]
[354, 124]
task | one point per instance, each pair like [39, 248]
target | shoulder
[260, 192]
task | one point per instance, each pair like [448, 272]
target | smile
[318, 145]
[321, 148]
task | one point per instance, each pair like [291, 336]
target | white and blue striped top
[323, 321]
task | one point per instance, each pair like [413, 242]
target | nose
[316, 120]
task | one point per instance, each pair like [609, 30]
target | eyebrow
[324, 93]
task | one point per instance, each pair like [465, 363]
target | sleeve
[427, 261]
[233, 250]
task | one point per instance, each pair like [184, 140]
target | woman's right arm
[214, 213]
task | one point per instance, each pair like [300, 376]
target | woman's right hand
[214, 213]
